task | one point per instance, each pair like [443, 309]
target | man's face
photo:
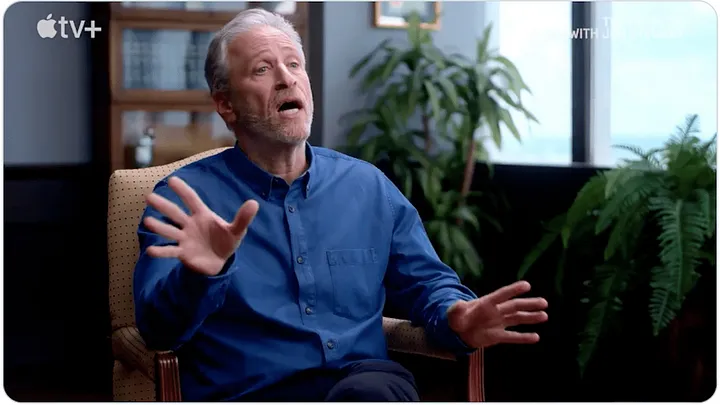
[270, 90]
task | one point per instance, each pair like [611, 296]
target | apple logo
[46, 27]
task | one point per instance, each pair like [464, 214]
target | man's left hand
[482, 321]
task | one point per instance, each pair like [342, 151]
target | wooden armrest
[403, 337]
[159, 366]
[129, 347]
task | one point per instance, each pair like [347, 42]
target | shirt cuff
[443, 334]
[206, 292]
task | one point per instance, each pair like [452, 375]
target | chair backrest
[126, 203]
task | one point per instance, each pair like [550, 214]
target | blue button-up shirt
[307, 286]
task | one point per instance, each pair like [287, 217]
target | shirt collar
[262, 181]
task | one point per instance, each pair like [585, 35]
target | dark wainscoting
[545, 371]
[56, 306]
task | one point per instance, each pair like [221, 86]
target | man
[282, 299]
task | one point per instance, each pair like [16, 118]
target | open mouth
[290, 107]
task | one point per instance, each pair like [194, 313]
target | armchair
[143, 375]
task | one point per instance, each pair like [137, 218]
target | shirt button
[300, 260]
[291, 208]
[308, 310]
[330, 344]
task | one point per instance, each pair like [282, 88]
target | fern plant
[655, 217]
[426, 126]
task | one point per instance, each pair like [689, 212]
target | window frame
[582, 84]
[581, 14]
[590, 137]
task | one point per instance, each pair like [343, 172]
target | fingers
[167, 208]
[525, 318]
[522, 304]
[187, 194]
[164, 251]
[512, 337]
[244, 217]
[161, 228]
[505, 293]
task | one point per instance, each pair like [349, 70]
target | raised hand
[204, 240]
[482, 322]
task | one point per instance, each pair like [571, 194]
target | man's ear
[224, 107]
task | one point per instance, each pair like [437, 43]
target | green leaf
[361, 121]
[449, 90]
[461, 242]
[590, 197]
[434, 56]
[432, 93]
[364, 61]
[465, 214]
[490, 220]
[416, 34]
[681, 238]
[705, 204]
[444, 241]
[489, 109]
[390, 65]
[481, 80]
[415, 93]
[636, 188]
[403, 174]
[508, 121]
[517, 83]
[374, 75]
[626, 232]
[369, 150]
[429, 183]
[481, 53]
[607, 284]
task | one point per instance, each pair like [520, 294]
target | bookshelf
[156, 70]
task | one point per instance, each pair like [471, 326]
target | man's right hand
[204, 240]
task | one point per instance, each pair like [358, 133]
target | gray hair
[216, 64]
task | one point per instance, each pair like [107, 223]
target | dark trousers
[363, 381]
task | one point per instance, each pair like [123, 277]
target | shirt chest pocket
[357, 282]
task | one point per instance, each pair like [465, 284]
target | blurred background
[493, 118]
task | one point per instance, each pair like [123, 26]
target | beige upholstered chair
[143, 375]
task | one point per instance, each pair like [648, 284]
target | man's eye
[262, 69]
[294, 65]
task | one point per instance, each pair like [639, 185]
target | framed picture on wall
[394, 14]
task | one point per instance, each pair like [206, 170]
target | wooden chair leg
[476, 376]
[167, 378]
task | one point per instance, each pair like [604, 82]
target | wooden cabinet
[156, 59]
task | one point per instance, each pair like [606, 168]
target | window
[653, 64]
[606, 73]
[534, 35]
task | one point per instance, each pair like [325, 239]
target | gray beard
[258, 126]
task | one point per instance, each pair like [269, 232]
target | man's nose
[285, 78]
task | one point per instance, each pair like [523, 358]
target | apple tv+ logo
[46, 27]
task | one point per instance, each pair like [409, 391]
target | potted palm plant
[427, 125]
